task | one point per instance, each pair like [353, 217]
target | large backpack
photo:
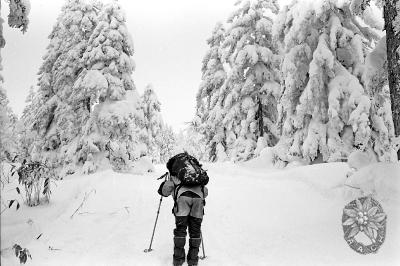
[188, 170]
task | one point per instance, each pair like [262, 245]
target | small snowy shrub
[35, 177]
[89, 167]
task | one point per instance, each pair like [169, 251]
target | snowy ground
[254, 216]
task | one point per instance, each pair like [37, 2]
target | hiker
[189, 201]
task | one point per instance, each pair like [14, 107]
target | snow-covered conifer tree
[26, 136]
[17, 18]
[324, 106]
[375, 78]
[103, 84]
[209, 97]
[252, 86]
[167, 143]
[58, 117]
[193, 142]
[152, 121]
[8, 120]
[377, 72]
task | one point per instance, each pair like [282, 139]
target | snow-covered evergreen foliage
[375, 79]
[209, 98]
[103, 85]
[8, 120]
[253, 80]
[325, 107]
[18, 16]
[56, 118]
[158, 138]
[238, 95]
[152, 122]
[193, 142]
[26, 136]
[87, 109]
[167, 143]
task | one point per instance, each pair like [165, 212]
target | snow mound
[294, 164]
[142, 165]
[359, 159]
[297, 210]
[380, 180]
[264, 160]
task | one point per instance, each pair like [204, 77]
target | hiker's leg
[181, 223]
[195, 240]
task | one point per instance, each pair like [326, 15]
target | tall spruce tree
[209, 97]
[252, 85]
[17, 18]
[8, 120]
[56, 120]
[26, 136]
[103, 84]
[152, 122]
[168, 142]
[392, 27]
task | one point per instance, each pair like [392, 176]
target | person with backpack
[187, 185]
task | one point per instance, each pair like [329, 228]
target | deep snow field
[255, 215]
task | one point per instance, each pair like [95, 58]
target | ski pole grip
[163, 176]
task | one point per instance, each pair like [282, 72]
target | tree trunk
[259, 117]
[392, 44]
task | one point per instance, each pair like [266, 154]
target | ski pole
[202, 244]
[155, 224]
[154, 228]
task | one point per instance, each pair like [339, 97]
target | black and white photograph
[200, 132]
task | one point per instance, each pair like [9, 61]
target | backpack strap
[175, 196]
[204, 196]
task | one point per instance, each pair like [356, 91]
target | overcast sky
[169, 39]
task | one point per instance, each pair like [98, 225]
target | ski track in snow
[252, 217]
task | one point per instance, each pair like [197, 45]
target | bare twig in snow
[86, 213]
[84, 200]
[352, 186]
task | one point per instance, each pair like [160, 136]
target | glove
[166, 188]
[205, 192]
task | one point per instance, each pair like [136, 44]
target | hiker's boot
[192, 256]
[179, 251]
